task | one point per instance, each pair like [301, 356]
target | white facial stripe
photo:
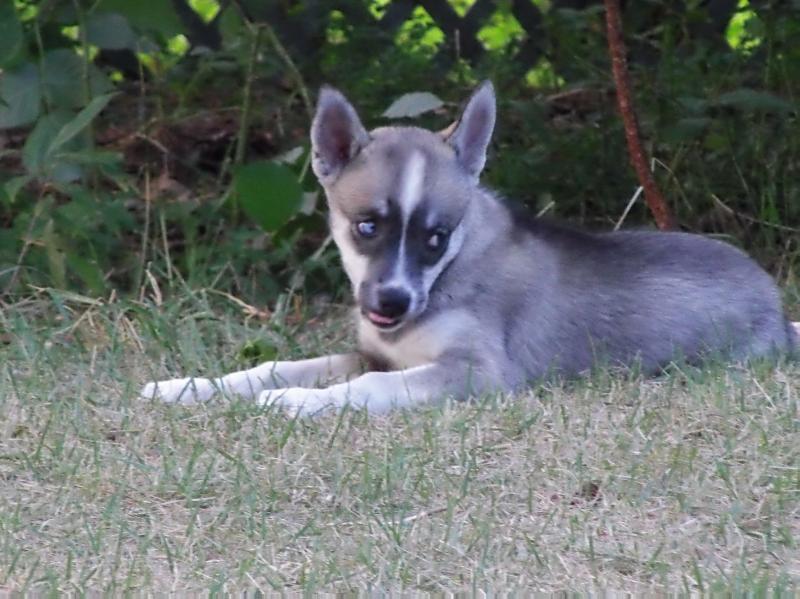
[411, 185]
[410, 195]
[399, 278]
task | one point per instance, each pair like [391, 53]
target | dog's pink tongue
[380, 319]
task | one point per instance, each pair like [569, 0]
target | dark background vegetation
[165, 142]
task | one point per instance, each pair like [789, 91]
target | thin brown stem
[638, 156]
[244, 122]
[284, 55]
[295, 72]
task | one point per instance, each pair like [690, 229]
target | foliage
[169, 137]
[71, 209]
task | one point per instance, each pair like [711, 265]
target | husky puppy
[456, 295]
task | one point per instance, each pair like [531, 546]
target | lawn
[689, 481]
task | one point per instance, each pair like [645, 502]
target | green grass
[687, 482]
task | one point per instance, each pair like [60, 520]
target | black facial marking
[375, 234]
[378, 237]
[425, 244]
[382, 247]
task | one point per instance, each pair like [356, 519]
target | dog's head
[397, 198]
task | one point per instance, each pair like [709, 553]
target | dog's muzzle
[387, 307]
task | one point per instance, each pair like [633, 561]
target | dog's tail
[793, 331]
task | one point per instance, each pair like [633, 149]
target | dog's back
[570, 299]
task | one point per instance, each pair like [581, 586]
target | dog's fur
[458, 295]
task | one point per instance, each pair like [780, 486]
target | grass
[688, 482]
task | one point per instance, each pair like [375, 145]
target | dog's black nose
[393, 302]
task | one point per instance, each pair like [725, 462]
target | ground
[688, 481]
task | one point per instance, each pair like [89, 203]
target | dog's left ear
[337, 135]
[470, 135]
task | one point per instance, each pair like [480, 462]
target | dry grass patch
[687, 482]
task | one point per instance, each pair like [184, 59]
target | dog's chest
[422, 344]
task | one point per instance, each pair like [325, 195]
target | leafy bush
[77, 215]
[170, 136]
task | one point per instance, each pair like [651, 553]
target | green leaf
[256, 351]
[55, 255]
[52, 150]
[20, 96]
[207, 9]
[110, 31]
[269, 193]
[688, 129]
[93, 157]
[153, 15]
[10, 33]
[413, 104]
[693, 106]
[232, 28]
[88, 271]
[751, 100]
[39, 140]
[63, 76]
[13, 186]
[79, 123]
[37, 153]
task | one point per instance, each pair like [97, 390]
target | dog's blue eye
[367, 228]
[437, 240]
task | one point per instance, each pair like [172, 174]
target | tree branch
[638, 156]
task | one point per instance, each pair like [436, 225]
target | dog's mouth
[383, 322]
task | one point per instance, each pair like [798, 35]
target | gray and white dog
[456, 295]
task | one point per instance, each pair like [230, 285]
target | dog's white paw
[184, 391]
[296, 401]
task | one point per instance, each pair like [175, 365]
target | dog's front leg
[249, 383]
[380, 392]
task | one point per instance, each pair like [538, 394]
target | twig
[158, 297]
[85, 74]
[298, 78]
[638, 156]
[628, 207]
[283, 53]
[86, 80]
[752, 219]
[26, 243]
[547, 208]
[247, 100]
[37, 33]
[423, 514]
[165, 242]
[249, 310]
[145, 236]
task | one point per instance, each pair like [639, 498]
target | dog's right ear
[470, 135]
[337, 135]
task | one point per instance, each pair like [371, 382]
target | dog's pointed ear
[470, 135]
[337, 135]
